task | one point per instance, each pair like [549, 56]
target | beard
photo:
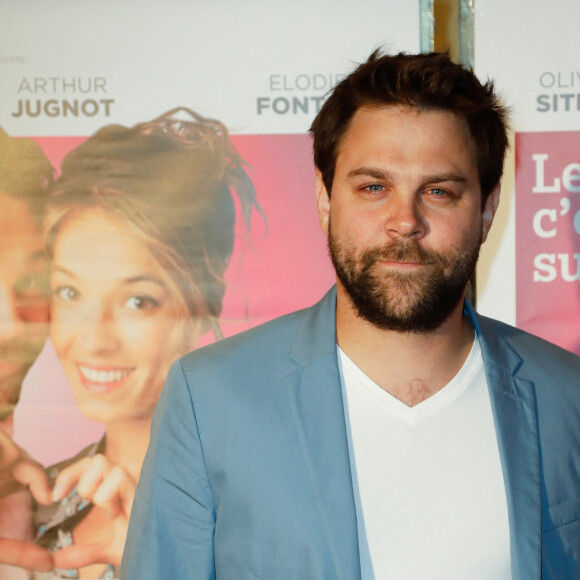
[415, 301]
[23, 353]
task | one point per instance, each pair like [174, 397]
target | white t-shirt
[429, 488]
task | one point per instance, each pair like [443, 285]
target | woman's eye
[141, 302]
[67, 293]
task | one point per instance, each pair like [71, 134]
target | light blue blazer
[247, 475]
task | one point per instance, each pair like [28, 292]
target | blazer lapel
[319, 413]
[514, 409]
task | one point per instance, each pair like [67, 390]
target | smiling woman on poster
[140, 230]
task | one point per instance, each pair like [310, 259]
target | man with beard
[388, 431]
[25, 174]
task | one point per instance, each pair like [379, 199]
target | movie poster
[548, 235]
[529, 272]
[156, 195]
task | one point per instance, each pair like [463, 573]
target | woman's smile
[101, 379]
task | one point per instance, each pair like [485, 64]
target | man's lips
[403, 265]
[100, 379]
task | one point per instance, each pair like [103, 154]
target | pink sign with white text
[548, 236]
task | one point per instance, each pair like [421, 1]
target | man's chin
[10, 388]
[406, 308]
[6, 411]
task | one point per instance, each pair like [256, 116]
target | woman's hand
[25, 555]
[19, 471]
[111, 488]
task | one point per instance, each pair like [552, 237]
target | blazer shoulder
[304, 335]
[250, 361]
[549, 367]
[267, 337]
[529, 346]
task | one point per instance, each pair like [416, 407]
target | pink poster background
[271, 273]
[548, 236]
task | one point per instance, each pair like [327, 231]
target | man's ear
[489, 209]
[322, 202]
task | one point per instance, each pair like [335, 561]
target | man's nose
[404, 218]
[11, 323]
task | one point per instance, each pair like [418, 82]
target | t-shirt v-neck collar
[440, 400]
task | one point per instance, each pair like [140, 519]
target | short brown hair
[25, 172]
[429, 81]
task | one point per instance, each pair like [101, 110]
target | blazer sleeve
[172, 522]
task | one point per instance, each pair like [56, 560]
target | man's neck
[7, 424]
[410, 366]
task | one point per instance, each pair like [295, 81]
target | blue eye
[141, 302]
[437, 191]
[67, 293]
[375, 188]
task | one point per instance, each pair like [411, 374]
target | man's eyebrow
[373, 172]
[386, 175]
[456, 177]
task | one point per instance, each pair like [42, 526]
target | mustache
[403, 251]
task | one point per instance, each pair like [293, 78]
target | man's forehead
[376, 118]
[404, 113]
[19, 229]
[16, 207]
